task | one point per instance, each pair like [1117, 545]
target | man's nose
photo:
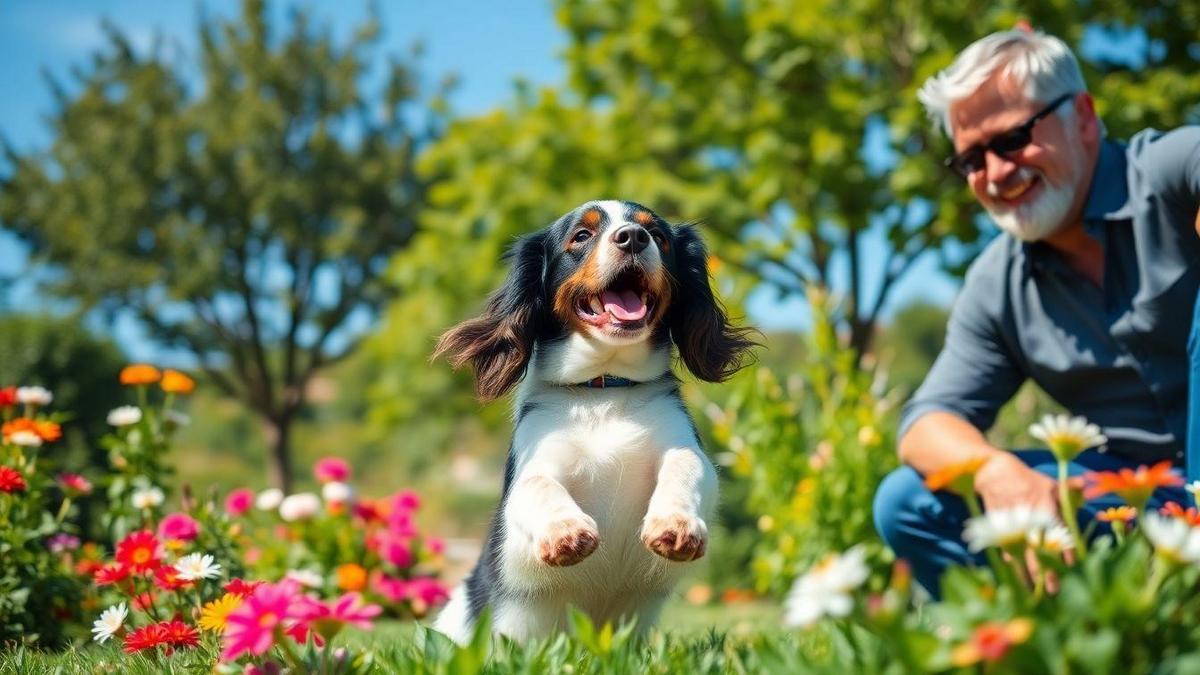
[999, 167]
[631, 238]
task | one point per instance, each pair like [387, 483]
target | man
[1088, 293]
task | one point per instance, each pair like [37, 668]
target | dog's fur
[606, 491]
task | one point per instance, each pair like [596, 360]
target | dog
[607, 494]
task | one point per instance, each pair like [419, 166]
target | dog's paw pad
[568, 542]
[676, 537]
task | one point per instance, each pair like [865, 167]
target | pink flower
[327, 619]
[252, 626]
[178, 526]
[395, 550]
[239, 501]
[406, 500]
[401, 524]
[436, 545]
[331, 469]
[395, 590]
[74, 485]
[427, 590]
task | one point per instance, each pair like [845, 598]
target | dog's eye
[659, 237]
[581, 236]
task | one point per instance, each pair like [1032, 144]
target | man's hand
[1005, 481]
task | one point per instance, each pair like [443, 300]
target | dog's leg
[546, 522]
[685, 494]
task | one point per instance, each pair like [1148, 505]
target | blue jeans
[1192, 465]
[925, 528]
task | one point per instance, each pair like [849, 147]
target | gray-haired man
[1089, 293]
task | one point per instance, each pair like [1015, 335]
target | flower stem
[1001, 570]
[1069, 513]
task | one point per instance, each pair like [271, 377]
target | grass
[741, 638]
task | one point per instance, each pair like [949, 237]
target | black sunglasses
[974, 158]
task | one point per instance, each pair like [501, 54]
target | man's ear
[499, 343]
[710, 347]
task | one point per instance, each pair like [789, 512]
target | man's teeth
[1017, 190]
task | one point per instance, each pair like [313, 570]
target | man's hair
[1042, 65]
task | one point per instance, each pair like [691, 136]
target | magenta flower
[327, 619]
[436, 545]
[239, 501]
[62, 541]
[74, 485]
[406, 500]
[178, 526]
[395, 590]
[395, 550]
[427, 590]
[330, 469]
[401, 524]
[253, 626]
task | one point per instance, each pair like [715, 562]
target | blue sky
[487, 44]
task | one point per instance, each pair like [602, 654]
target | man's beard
[1046, 213]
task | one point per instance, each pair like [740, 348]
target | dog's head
[612, 272]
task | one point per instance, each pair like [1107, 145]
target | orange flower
[351, 577]
[139, 374]
[47, 431]
[1173, 510]
[991, 642]
[956, 476]
[1135, 487]
[1117, 514]
[175, 382]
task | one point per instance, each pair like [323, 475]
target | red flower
[1135, 487]
[110, 574]
[1190, 516]
[146, 637]
[179, 634]
[140, 551]
[11, 480]
[242, 588]
[167, 578]
[144, 601]
[8, 397]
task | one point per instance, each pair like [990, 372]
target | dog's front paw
[568, 541]
[676, 536]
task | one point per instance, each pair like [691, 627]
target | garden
[225, 447]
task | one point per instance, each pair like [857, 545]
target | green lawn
[740, 638]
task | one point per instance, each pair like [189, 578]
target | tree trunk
[279, 452]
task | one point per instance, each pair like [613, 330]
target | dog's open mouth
[625, 304]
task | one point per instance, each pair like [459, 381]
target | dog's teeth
[596, 306]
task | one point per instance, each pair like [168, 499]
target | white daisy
[25, 439]
[34, 396]
[197, 566]
[1067, 436]
[825, 589]
[300, 506]
[1173, 538]
[269, 499]
[1054, 539]
[307, 578]
[148, 498]
[336, 492]
[1006, 527]
[111, 620]
[124, 416]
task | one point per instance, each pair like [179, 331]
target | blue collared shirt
[1116, 355]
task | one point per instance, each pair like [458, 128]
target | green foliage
[246, 219]
[812, 445]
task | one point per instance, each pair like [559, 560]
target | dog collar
[606, 381]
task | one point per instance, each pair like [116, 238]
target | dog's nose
[631, 238]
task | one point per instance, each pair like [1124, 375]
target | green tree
[243, 210]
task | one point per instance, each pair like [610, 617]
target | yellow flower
[214, 614]
[139, 374]
[175, 382]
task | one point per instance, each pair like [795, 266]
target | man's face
[1032, 192]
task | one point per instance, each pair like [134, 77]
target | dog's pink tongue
[625, 305]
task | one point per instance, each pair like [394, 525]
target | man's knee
[895, 503]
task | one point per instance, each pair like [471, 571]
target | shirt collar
[1107, 200]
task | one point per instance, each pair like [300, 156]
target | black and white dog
[606, 489]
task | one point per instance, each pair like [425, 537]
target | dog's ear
[710, 347]
[499, 343]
